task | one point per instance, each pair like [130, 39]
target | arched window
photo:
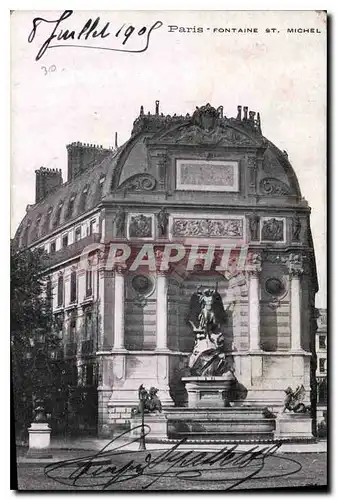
[73, 286]
[60, 290]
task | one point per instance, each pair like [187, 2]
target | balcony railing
[70, 251]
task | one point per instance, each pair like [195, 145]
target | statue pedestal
[293, 425]
[39, 440]
[211, 392]
[155, 426]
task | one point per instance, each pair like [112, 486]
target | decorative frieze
[211, 228]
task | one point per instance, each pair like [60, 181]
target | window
[64, 240]
[78, 233]
[322, 391]
[60, 290]
[73, 287]
[59, 322]
[322, 367]
[53, 247]
[83, 199]
[58, 214]
[47, 221]
[91, 227]
[322, 344]
[89, 375]
[100, 187]
[72, 327]
[49, 290]
[88, 283]
[71, 205]
[88, 325]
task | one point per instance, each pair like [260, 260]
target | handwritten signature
[92, 29]
[228, 466]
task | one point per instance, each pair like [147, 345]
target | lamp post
[142, 397]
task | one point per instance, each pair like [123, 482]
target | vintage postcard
[168, 250]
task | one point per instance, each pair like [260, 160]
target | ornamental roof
[136, 165]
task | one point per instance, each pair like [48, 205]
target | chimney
[46, 181]
[82, 156]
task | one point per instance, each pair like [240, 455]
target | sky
[80, 94]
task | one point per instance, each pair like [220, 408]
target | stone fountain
[211, 385]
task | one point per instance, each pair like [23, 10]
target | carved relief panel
[207, 175]
[140, 226]
[203, 227]
[272, 229]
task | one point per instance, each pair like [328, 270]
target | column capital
[254, 263]
[120, 269]
[295, 265]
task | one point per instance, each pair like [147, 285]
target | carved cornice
[139, 182]
[273, 186]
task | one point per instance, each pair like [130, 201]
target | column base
[119, 350]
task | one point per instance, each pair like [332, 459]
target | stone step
[223, 436]
[233, 413]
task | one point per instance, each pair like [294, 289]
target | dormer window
[71, 205]
[37, 223]
[84, 198]
[58, 215]
[101, 184]
[47, 220]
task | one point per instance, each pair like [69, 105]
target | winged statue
[207, 317]
[294, 400]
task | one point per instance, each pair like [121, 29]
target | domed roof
[127, 167]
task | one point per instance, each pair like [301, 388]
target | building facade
[322, 363]
[188, 201]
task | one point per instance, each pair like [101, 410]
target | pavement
[65, 447]
[74, 467]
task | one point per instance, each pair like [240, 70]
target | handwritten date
[92, 30]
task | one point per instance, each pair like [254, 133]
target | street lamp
[143, 395]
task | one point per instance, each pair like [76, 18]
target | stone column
[119, 310]
[254, 270]
[295, 265]
[161, 314]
